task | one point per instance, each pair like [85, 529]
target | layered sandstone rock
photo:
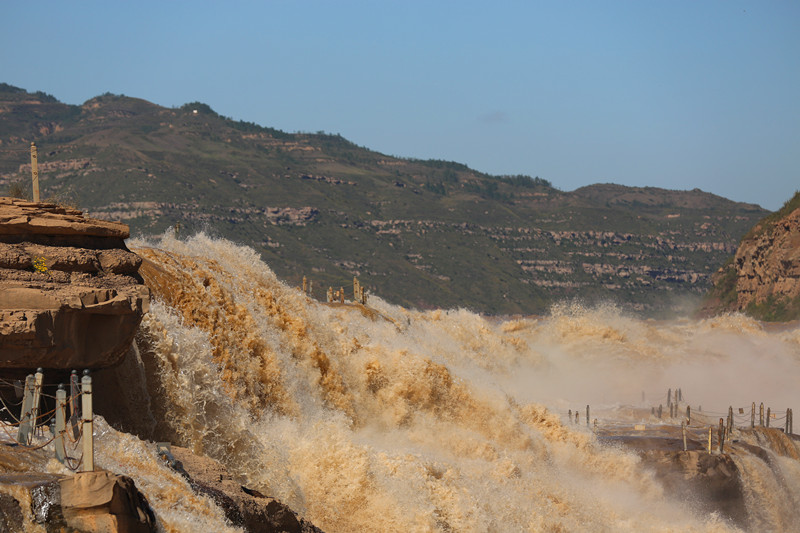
[768, 265]
[70, 293]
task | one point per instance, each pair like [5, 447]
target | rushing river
[381, 418]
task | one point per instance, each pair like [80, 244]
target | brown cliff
[763, 279]
[70, 292]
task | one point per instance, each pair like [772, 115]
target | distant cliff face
[764, 277]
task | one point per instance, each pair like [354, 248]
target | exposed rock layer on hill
[764, 277]
[418, 233]
[70, 293]
[768, 264]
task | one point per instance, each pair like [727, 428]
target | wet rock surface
[70, 293]
[86, 502]
[243, 506]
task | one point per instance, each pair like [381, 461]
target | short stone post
[88, 426]
[330, 294]
[341, 295]
[24, 431]
[305, 285]
[38, 378]
[311, 287]
[61, 423]
[721, 435]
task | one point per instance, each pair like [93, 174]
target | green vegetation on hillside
[421, 233]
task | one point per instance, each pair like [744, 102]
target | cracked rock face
[769, 265]
[70, 292]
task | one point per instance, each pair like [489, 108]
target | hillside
[763, 277]
[419, 233]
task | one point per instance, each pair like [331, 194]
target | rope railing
[680, 408]
[71, 421]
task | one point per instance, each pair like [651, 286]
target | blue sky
[677, 94]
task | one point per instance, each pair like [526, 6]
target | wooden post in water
[659, 410]
[710, 429]
[669, 396]
[683, 430]
[753, 416]
[761, 414]
[587, 416]
[35, 171]
[577, 416]
[569, 416]
[688, 415]
[88, 426]
[730, 420]
[721, 435]
[680, 395]
[652, 411]
[61, 423]
[24, 431]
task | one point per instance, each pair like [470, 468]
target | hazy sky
[670, 94]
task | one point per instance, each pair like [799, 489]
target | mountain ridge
[420, 233]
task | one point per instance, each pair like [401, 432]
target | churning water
[381, 418]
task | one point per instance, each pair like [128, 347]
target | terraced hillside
[419, 233]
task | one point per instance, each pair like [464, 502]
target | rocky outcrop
[242, 506]
[768, 264]
[763, 279]
[88, 501]
[70, 292]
